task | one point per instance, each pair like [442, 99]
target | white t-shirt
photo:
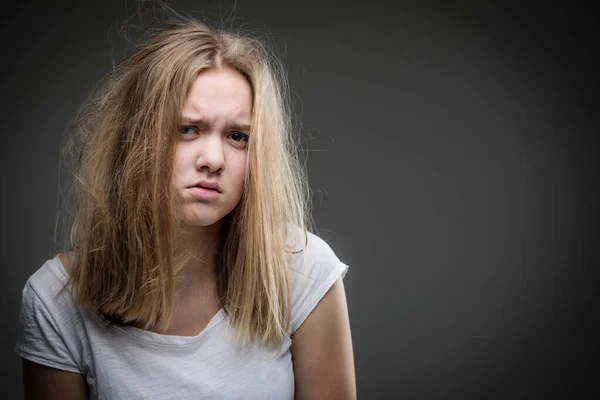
[130, 363]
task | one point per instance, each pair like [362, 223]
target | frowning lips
[208, 185]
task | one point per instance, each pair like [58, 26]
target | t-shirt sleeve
[311, 281]
[40, 339]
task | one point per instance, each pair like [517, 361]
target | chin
[201, 222]
[200, 218]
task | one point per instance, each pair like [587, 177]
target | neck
[199, 272]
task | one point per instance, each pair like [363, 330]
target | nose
[210, 153]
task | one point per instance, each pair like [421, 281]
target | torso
[121, 362]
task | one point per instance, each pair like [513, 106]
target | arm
[42, 382]
[322, 353]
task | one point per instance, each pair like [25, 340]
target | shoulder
[48, 281]
[313, 269]
[310, 255]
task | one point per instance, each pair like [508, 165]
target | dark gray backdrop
[452, 158]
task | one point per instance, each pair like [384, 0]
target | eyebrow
[201, 122]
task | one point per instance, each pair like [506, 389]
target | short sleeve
[311, 278]
[40, 339]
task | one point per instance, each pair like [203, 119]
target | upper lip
[208, 185]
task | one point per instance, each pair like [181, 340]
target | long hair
[123, 233]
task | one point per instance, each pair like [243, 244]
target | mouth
[206, 188]
[204, 193]
[212, 186]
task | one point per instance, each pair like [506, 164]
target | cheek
[239, 173]
[179, 163]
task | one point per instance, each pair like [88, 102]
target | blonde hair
[124, 234]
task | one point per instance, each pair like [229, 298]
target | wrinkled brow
[201, 123]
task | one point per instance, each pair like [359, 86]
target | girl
[190, 272]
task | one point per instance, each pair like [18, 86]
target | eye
[239, 137]
[187, 129]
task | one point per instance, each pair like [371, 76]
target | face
[210, 155]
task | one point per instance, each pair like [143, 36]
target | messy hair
[124, 234]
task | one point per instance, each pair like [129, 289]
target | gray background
[452, 157]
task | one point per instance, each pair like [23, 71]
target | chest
[210, 365]
[191, 314]
[189, 319]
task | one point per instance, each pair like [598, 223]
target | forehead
[219, 94]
